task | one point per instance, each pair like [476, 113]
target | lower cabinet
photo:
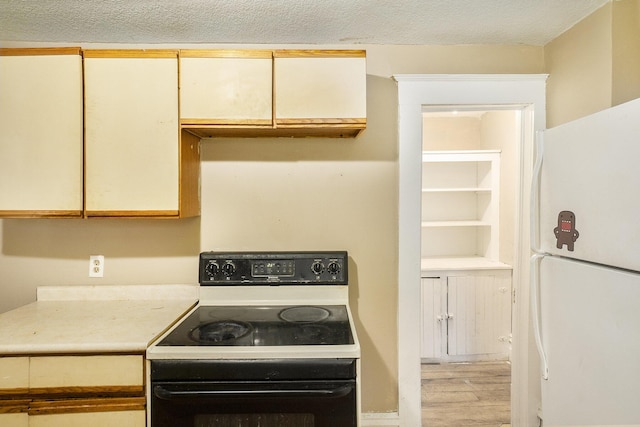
[106, 418]
[20, 419]
[70, 391]
[466, 315]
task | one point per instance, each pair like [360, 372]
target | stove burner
[219, 331]
[304, 314]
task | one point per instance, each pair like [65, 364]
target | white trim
[380, 419]
[466, 78]
[523, 91]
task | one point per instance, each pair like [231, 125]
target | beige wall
[333, 194]
[595, 64]
[579, 67]
[501, 130]
[626, 51]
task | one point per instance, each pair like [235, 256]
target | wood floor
[466, 394]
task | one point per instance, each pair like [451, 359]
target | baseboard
[380, 419]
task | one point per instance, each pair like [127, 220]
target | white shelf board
[434, 224]
[457, 190]
[459, 156]
[461, 263]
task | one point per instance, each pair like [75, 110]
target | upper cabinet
[265, 93]
[137, 164]
[226, 88]
[130, 146]
[317, 90]
[41, 132]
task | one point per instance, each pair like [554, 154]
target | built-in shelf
[460, 198]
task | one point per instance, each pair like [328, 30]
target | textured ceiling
[531, 22]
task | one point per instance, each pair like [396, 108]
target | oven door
[254, 393]
[253, 404]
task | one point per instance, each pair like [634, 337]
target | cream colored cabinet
[466, 315]
[41, 132]
[320, 90]
[14, 388]
[119, 418]
[69, 391]
[262, 93]
[225, 89]
[137, 163]
[19, 419]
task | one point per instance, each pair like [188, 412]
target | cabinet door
[434, 324]
[226, 87]
[41, 132]
[132, 134]
[135, 418]
[105, 373]
[320, 88]
[14, 374]
[480, 314]
[14, 419]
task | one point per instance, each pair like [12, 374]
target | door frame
[525, 92]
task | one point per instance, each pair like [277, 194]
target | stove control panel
[273, 268]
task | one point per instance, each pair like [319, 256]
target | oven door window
[254, 404]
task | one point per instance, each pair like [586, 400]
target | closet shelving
[460, 205]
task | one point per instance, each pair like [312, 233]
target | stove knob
[228, 269]
[334, 267]
[317, 267]
[212, 268]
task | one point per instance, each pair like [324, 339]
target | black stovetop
[277, 325]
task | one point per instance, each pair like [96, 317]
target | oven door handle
[165, 394]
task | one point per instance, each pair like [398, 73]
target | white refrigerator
[586, 269]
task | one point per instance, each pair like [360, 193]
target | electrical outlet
[96, 266]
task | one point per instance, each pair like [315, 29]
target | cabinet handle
[445, 316]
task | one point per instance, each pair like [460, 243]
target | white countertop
[90, 319]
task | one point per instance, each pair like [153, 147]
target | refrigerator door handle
[535, 309]
[534, 205]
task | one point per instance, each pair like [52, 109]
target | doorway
[469, 175]
[525, 93]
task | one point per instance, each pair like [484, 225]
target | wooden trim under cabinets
[87, 391]
[12, 393]
[71, 406]
[130, 53]
[34, 51]
[133, 214]
[224, 53]
[230, 123]
[14, 406]
[321, 121]
[39, 214]
[298, 53]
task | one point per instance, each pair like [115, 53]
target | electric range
[270, 327]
